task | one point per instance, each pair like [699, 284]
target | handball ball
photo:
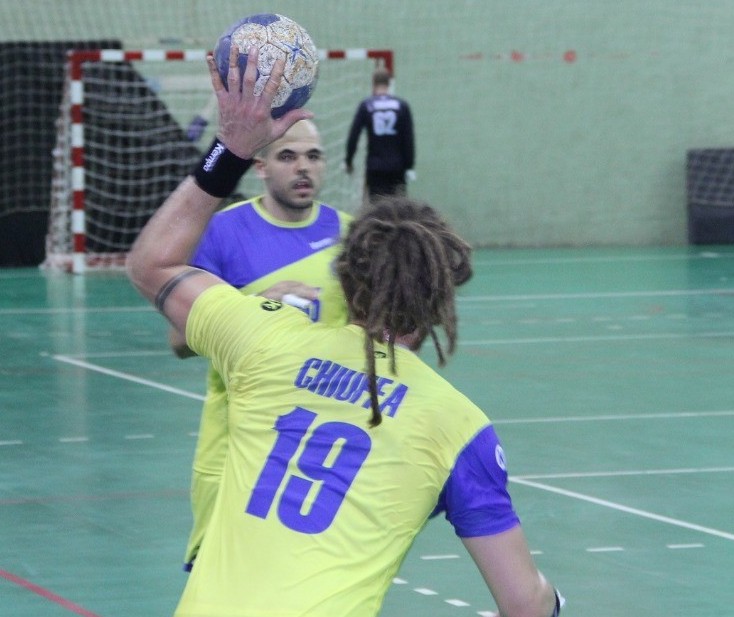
[276, 36]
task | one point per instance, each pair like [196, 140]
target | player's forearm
[538, 601]
[168, 239]
[541, 601]
[507, 566]
[161, 252]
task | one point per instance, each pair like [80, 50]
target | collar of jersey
[260, 209]
[357, 329]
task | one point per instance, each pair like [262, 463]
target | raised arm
[279, 291]
[157, 263]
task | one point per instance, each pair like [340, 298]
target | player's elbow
[135, 269]
[183, 351]
[142, 272]
[177, 343]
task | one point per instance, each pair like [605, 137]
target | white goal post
[133, 123]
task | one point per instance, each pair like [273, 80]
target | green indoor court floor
[608, 372]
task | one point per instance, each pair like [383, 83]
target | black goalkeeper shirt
[390, 140]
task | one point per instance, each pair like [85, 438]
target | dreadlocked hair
[399, 267]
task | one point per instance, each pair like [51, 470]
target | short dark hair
[399, 266]
[381, 77]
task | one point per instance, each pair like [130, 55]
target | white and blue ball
[276, 36]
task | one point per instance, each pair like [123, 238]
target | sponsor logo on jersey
[271, 305]
[321, 244]
[499, 456]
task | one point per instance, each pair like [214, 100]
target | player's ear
[260, 167]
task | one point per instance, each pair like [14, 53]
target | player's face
[293, 170]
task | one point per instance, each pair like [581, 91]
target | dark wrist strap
[560, 601]
[219, 171]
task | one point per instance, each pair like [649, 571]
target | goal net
[133, 123]
[710, 192]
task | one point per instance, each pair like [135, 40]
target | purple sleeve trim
[475, 497]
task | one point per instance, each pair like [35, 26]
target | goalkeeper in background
[388, 123]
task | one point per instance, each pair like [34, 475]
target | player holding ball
[343, 442]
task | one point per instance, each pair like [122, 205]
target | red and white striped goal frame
[75, 63]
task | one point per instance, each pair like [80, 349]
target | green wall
[539, 123]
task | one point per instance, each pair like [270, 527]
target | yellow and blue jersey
[316, 510]
[251, 250]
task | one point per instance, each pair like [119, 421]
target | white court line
[617, 474]
[461, 299]
[603, 259]
[32, 274]
[614, 418]
[88, 309]
[126, 377]
[473, 343]
[717, 291]
[456, 602]
[593, 339]
[438, 557]
[70, 359]
[118, 354]
[622, 508]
